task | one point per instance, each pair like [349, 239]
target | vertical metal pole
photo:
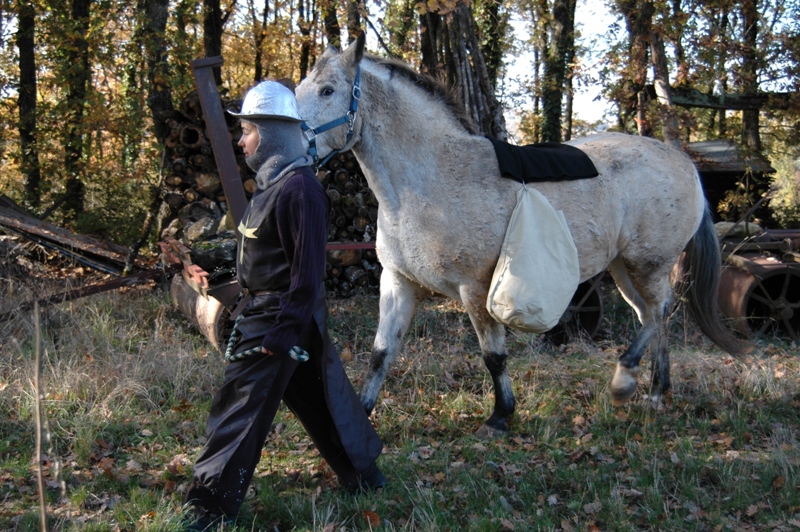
[217, 131]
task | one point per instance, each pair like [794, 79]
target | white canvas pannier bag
[537, 272]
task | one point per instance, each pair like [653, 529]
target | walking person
[280, 348]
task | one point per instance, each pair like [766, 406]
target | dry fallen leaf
[107, 466]
[592, 508]
[506, 524]
[372, 518]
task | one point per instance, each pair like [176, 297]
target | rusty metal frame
[217, 131]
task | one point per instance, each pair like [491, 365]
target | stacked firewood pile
[353, 218]
[192, 175]
[194, 207]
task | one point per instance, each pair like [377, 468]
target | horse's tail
[702, 262]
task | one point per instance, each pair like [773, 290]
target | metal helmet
[269, 99]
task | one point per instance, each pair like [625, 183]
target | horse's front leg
[492, 338]
[399, 299]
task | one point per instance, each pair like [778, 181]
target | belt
[247, 295]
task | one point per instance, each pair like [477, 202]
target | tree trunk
[400, 36]
[354, 8]
[29, 160]
[259, 34]
[159, 101]
[212, 33]
[331, 23]
[450, 47]
[749, 82]
[679, 17]
[485, 109]
[638, 20]
[570, 58]
[77, 60]
[304, 23]
[642, 126]
[431, 43]
[568, 106]
[555, 68]
[538, 50]
[491, 32]
[663, 92]
[722, 126]
[159, 97]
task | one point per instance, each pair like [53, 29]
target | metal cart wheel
[761, 296]
[774, 303]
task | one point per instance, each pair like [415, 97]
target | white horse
[444, 209]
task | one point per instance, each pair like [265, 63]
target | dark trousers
[316, 391]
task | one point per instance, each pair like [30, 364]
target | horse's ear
[352, 56]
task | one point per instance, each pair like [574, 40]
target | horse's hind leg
[491, 337]
[399, 299]
[624, 383]
[661, 367]
[648, 297]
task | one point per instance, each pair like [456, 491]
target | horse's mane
[431, 85]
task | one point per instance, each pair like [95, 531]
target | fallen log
[156, 275]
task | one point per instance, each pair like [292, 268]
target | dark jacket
[282, 249]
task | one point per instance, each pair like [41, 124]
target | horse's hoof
[368, 406]
[623, 385]
[490, 433]
[657, 402]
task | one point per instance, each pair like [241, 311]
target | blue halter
[349, 119]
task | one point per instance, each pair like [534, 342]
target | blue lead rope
[297, 352]
[349, 118]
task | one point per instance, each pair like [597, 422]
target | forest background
[88, 87]
[88, 90]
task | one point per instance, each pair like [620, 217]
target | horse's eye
[327, 91]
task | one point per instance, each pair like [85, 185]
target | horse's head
[328, 100]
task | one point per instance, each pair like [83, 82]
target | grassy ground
[127, 385]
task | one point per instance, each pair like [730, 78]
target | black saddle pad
[545, 161]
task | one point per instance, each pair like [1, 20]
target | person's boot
[371, 479]
[197, 519]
